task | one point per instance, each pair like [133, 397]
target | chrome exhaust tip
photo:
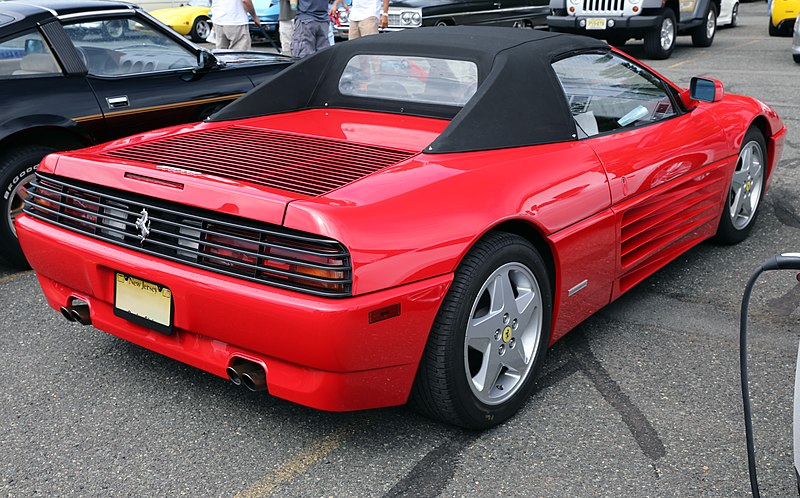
[80, 314]
[77, 313]
[234, 375]
[255, 380]
[247, 373]
[65, 311]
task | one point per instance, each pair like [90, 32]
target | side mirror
[206, 61]
[706, 89]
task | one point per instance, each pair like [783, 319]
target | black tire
[735, 16]
[16, 169]
[732, 228]
[444, 385]
[796, 58]
[653, 47]
[200, 29]
[773, 31]
[703, 35]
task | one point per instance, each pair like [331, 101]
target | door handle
[117, 102]
[496, 5]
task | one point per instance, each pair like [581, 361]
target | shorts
[232, 37]
[364, 27]
[308, 37]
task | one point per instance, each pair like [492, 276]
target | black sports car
[78, 72]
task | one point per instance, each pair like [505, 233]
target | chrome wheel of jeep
[667, 34]
[503, 333]
[659, 41]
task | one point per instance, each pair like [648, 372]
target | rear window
[4, 19]
[414, 79]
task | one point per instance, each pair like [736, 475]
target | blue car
[267, 12]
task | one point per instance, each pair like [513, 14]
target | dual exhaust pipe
[247, 373]
[241, 372]
[77, 313]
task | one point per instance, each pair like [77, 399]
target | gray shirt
[312, 10]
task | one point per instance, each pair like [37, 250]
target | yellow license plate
[143, 302]
[596, 23]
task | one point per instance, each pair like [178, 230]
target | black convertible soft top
[519, 100]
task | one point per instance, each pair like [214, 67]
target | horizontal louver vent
[295, 163]
[657, 230]
[237, 247]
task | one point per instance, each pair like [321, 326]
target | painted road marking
[302, 460]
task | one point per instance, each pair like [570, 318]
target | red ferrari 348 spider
[414, 216]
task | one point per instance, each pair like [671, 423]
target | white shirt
[362, 9]
[228, 13]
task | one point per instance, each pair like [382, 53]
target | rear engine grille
[609, 7]
[295, 163]
[237, 247]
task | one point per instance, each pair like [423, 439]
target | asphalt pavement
[642, 399]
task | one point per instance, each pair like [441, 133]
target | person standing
[365, 16]
[231, 26]
[285, 26]
[311, 25]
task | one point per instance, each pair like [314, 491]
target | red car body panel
[321, 353]
[605, 212]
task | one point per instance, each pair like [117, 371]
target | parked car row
[82, 72]
[617, 21]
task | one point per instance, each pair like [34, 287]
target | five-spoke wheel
[503, 333]
[746, 189]
[489, 337]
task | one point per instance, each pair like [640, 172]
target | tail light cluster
[238, 247]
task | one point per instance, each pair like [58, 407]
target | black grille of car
[610, 6]
[228, 245]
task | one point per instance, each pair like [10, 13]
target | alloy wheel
[667, 33]
[503, 333]
[746, 185]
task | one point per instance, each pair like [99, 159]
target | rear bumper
[318, 352]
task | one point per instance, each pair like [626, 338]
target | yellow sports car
[191, 19]
[782, 14]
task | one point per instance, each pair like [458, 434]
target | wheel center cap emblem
[143, 225]
[507, 333]
[748, 185]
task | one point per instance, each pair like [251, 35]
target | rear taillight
[278, 259]
[82, 210]
[230, 250]
[49, 197]
[317, 270]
